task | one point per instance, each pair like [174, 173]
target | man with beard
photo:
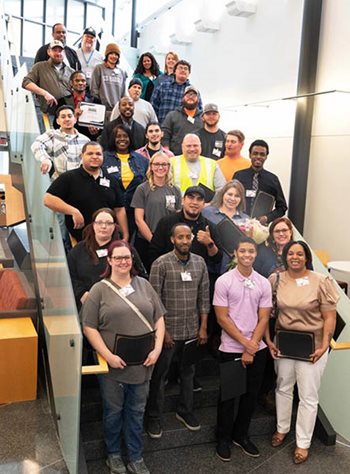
[88, 55]
[256, 178]
[80, 192]
[183, 120]
[143, 110]
[202, 243]
[191, 169]
[211, 136]
[70, 57]
[181, 280]
[107, 83]
[126, 117]
[153, 135]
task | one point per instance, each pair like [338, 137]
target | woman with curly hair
[147, 70]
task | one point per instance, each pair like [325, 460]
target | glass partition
[59, 316]
[335, 386]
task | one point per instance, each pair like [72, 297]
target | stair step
[175, 435]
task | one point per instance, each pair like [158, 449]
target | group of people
[147, 264]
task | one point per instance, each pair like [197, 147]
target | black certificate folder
[233, 379]
[134, 349]
[295, 344]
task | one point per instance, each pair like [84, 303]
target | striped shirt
[183, 288]
[62, 149]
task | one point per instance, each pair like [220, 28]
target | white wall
[327, 223]
[248, 60]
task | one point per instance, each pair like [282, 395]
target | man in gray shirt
[181, 280]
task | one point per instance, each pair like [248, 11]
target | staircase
[175, 436]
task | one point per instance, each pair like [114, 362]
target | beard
[190, 106]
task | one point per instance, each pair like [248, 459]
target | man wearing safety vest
[190, 168]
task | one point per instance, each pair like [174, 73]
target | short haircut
[183, 62]
[56, 24]
[178, 224]
[307, 251]
[64, 107]
[245, 240]
[83, 150]
[259, 143]
[150, 124]
[238, 134]
[72, 76]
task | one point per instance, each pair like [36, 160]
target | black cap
[195, 190]
[134, 81]
[90, 31]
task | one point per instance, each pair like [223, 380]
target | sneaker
[223, 450]
[247, 447]
[154, 429]
[138, 467]
[197, 387]
[189, 420]
[115, 464]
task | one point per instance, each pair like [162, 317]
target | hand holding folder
[233, 379]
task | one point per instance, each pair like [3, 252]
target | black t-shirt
[213, 144]
[81, 190]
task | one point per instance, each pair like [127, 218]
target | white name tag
[250, 193]
[105, 182]
[113, 169]
[302, 281]
[190, 119]
[186, 276]
[88, 74]
[127, 290]
[170, 202]
[216, 152]
[102, 253]
[248, 283]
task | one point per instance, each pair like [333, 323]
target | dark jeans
[227, 427]
[123, 411]
[156, 393]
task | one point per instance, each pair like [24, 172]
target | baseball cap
[191, 89]
[56, 44]
[195, 190]
[210, 108]
[90, 31]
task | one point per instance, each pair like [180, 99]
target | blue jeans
[123, 411]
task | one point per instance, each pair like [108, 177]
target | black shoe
[197, 387]
[223, 450]
[247, 447]
[154, 429]
[189, 420]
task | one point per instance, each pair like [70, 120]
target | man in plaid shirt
[59, 150]
[168, 95]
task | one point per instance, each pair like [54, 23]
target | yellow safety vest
[181, 172]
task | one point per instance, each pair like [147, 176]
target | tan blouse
[302, 301]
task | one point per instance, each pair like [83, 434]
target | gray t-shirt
[105, 311]
[108, 85]
[158, 203]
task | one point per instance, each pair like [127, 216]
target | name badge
[102, 253]
[127, 290]
[216, 152]
[112, 169]
[250, 193]
[193, 175]
[248, 283]
[186, 276]
[105, 182]
[219, 143]
[190, 119]
[88, 74]
[170, 202]
[302, 281]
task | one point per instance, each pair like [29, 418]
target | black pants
[227, 427]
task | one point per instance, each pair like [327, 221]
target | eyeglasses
[281, 231]
[161, 165]
[101, 223]
[126, 258]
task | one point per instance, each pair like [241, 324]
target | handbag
[133, 349]
[275, 310]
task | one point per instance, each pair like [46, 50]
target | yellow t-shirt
[125, 172]
[229, 166]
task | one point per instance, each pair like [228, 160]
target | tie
[255, 184]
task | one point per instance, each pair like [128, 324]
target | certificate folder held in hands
[193, 352]
[295, 344]
[233, 379]
[134, 349]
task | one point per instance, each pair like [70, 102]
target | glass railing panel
[335, 386]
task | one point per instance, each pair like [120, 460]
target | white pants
[308, 379]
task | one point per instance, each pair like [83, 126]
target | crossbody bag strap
[132, 306]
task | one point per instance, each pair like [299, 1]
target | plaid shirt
[144, 151]
[61, 149]
[183, 300]
[168, 96]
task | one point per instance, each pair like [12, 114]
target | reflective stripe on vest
[181, 172]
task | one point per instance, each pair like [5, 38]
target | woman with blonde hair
[171, 59]
[155, 198]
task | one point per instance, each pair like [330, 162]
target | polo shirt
[80, 189]
[243, 297]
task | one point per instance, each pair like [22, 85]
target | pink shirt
[243, 297]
